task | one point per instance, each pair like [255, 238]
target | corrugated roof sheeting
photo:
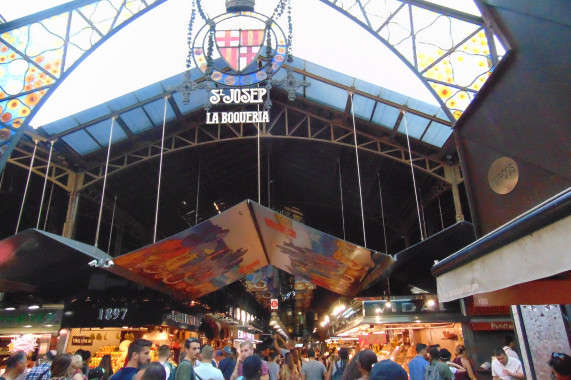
[324, 93]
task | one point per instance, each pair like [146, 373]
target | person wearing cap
[436, 366]
[560, 365]
[206, 370]
[227, 364]
[42, 371]
[387, 370]
[218, 356]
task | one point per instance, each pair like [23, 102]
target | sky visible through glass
[154, 47]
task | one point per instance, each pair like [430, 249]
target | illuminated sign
[238, 96]
[245, 335]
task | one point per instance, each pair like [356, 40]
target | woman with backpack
[336, 370]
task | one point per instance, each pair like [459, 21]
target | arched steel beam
[38, 52]
[453, 72]
[311, 128]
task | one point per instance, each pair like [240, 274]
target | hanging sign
[274, 304]
[238, 97]
[245, 335]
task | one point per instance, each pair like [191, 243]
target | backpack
[432, 373]
[338, 373]
[172, 368]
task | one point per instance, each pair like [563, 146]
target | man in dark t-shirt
[139, 353]
[227, 364]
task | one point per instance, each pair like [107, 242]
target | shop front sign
[245, 335]
[112, 315]
[492, 326]
[14, 319]
[400, 306]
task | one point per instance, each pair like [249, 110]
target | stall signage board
[11, 319]
[112, 315]
[401, 306]
[474, 309]
[245, 335]
[492, 326]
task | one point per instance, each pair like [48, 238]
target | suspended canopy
[199, 260]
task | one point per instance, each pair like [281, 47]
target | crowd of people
[274, 362]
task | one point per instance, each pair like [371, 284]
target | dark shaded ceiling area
[299, 177]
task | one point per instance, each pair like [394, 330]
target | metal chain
[189, 37]
[290, 33]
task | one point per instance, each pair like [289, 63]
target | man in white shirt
[505, 367]
[509, 347]
[206, 371]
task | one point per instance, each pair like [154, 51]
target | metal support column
[75, 181]
[453, 175]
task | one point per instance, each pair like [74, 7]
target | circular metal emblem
[239, 39]
[503, 175]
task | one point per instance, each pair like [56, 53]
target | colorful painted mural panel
[202, 259]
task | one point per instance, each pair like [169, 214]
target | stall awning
[532, 247]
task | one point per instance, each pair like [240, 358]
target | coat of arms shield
[239, 48]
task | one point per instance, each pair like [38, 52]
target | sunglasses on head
[558, 355]
[192, 340]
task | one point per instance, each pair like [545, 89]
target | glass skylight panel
[60, 126]
[326, 94]
[122, 102]
[323, 72]
[150, 91]
[81, 142]
[415, 124]
[437, 134]
[100, 132]
[156, 111]
[367, 87]
[92, 113]
[385, 116]
[136, 120]
[197, 99]
[363, 107]
[394, 97]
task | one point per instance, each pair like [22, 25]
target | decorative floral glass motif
[451, 50]
[34, 57]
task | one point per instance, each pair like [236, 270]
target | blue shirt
[41, 372]
[416, 368]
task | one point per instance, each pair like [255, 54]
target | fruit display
[116, 356]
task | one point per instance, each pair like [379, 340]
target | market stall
[32, 329]
[392, 327]
[109, 328]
